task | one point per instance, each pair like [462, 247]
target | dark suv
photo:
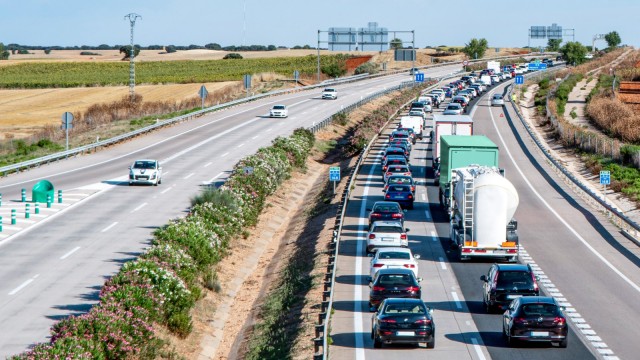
[506, 282]
[385, 210]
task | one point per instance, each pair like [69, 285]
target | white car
[420, 113]
[145, 171]
[393, 257]
[497, 100]
[453, 109]
[330, 93]
[279, 111]
[386, 234]
[441, 94]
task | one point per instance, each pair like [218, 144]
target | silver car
[386, 234]
[145, 171]
[497, 100]
[453, 109]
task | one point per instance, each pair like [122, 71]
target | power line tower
[132, 66]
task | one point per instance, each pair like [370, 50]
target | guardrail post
[27, 207]
[37, 208]
[48, 201]
[13, 216]
[59, 196]
[24, 195]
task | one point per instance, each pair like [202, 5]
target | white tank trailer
[482, 207]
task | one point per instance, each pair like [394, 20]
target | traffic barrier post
[37, 208]
[0, 223]
[24, 195]
[13, 216]
[49, 201]
[0, 199]
[26, 211]
[59, 196]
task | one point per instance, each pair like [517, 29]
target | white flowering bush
[173, 256]
[198, 241]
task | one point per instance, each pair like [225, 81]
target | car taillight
[413, 188]
[535, 283]
[520, 320]
[372, 236]
[413, 289]
[388, 321]
[396, 216]
[376, 215]
[389, 173]
[410, 197]
[410, 266]
[378, 288]
[423, 322]
[559, 320]
[403, 236]
[378, 265]
[387, 196]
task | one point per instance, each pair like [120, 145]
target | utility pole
[318, 55]
[132, 67]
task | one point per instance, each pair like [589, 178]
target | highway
[583, 261]
[54, 265]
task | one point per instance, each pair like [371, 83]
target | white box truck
[494, 65]
[448, 125]
[414, 122]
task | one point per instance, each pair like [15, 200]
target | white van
[414, 122]
[486, 80]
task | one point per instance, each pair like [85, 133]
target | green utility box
[41, 190]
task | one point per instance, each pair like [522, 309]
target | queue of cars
[401, 316]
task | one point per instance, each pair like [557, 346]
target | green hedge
[161, 287]
[563, 90]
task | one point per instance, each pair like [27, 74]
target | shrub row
[161, 287]
[563, 90]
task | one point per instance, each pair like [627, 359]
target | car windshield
[329, 90]
[540, 310]
[396, 280]
[510, 278]
[399, 180]
[399, 188]
[398, 169]
[405, 309]
[453, 107]
[497, 97]
[401, 255]
[278, 107]
[144, 165]
[391, 208]
[387, 229]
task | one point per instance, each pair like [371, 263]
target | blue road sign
[334, 173]
[605, 177]
[537, 66]
[519, 79]
[419, 77]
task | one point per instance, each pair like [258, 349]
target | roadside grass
[624, 178]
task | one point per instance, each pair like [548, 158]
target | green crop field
[76, 74]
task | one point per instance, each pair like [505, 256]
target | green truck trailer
[458, 151]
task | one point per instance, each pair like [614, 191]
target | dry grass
[616, 117]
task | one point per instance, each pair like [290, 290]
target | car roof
[145, 160]
[512, 267]
[387, 223]
[386, 203]
[536, 299]
[400, 176]
[403, 301]
[394, 249]
[392, 271]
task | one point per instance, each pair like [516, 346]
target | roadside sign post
[203, 94]
[419, 77]
[296, 76]
[67, 119]
[334, 175]
[247, 83]
[605, 179]
[464, 65]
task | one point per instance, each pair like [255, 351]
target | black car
[400, 180]
[535, 318]
[402, 194]
[403, 321]
[404, 143]
[385, 210]
[394, 151]
[393, 283]
[506, 282]
[399, 134]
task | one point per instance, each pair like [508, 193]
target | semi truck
[447, 125]
[478, 199]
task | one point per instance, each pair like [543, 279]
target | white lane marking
[255, 137]
[213, 178]
[241, 145]
[166, 190]
[69, 253]
[23, 285]
[188, 176]
[478, 349]
[427, 215]
[139, 207]
[165, 173]
[109, 227]
[442, 264]
[456, 299]
[424, 197]
[434, 237]
[269, 129]
[225, 154]
[553, 211]
[207, 164]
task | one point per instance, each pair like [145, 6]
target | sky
[296, 22]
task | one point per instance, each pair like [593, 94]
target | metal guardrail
[94, 146]
[329, 280]
[594, 198]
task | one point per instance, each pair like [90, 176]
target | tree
[4, 54]
[213, 46]
[170, 49]
[554, 44]
[612, 39]
[475, 48]
[271, 48]
[395, 44]
[232, 56]
[573, 52]
[126, 49]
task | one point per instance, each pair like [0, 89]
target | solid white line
[553, 211]
[165, 190]
[225, 154]
[442, 264]
[23, 285]
[456, 299]
[188, 176]
[109, 227]
[69, 253]
[207, 164]
[427, 215]
[477, 348]
[139, 207]
[424, 197]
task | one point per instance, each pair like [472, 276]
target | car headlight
[153, 175]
